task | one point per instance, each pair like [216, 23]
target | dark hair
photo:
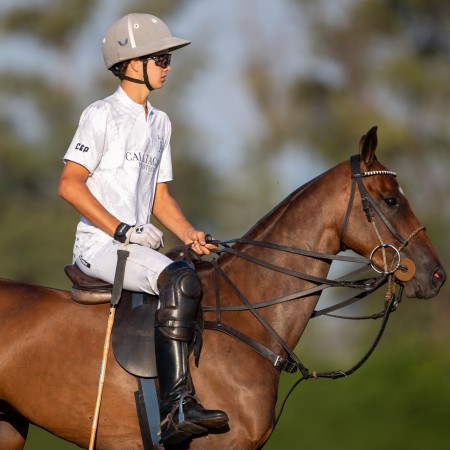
[120, 68]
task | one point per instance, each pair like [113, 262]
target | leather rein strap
[277, 360]
[367, 286]
[291, 363]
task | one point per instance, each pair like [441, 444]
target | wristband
[121, 231]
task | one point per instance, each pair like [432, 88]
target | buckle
[284, 364]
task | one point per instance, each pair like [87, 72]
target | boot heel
[192, 428]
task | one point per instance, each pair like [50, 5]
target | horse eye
[391, 201]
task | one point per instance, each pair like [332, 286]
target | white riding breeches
[142, 269]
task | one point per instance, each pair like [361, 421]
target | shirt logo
[144, 160]
[81, 147]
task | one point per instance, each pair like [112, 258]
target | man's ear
[135, 65]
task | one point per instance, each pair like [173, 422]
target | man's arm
[167, 211]
[72, 188]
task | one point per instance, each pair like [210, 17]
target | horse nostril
[438, 278]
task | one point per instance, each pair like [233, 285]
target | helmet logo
[123, 43]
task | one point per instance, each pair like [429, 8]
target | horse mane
[281, 207]
[269, 221]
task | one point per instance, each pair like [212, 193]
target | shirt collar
[136, 108]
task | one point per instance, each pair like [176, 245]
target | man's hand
[147, 235]
[198, 243]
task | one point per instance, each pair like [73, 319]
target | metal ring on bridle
[397, 264]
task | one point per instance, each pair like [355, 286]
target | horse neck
[305, 220]
[310, 218]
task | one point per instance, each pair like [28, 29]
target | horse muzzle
[427, 284]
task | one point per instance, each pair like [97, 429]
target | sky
[218, 105]
[219, 101]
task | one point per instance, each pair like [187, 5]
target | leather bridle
[370, 208]
[366, 286]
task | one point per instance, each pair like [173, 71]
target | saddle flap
[133, 335]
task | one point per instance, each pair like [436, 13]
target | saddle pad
[133, 335]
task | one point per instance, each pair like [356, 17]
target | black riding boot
[182, 414]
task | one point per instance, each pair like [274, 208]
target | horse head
[386, 229]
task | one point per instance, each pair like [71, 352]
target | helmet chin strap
[145, 80]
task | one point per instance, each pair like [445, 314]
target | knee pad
[180, 295]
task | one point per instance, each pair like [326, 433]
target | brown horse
[51, 347]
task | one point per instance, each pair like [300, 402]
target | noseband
[370, 207]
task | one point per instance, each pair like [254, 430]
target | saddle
[133, 331]
[85, 289]
[88, 290]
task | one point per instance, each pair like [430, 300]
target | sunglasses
[161, 60]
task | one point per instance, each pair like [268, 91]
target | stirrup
[169, 419]
[181, 429]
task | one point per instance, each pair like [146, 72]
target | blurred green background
[268, 95]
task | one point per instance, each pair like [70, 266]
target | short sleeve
[88, 143]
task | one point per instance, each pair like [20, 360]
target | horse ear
[367, 146]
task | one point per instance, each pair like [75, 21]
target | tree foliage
[365, 62]
[52, 22]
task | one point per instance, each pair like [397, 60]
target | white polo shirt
[126, 154]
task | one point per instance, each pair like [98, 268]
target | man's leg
[182, 414]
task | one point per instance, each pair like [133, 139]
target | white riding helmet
[136, 35]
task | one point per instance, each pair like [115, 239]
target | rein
[392, 301]
[292, 363]
[366, 286]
